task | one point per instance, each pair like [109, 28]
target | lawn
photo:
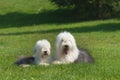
[23, 22]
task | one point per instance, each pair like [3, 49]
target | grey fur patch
[25, 60]
[84, 56]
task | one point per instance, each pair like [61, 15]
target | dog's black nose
[66, 46]
[45, 53]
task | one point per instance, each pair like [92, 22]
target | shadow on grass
[17, 19]
[50, 17]
[109, 27]
[47, 17]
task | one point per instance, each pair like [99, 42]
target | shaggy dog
[42, 51]
[67, 50]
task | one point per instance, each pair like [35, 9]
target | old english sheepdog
[42, 52]
[67, 50]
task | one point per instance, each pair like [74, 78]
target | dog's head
[42, 48]
[65, 42]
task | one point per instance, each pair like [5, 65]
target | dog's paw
[57, 62]
[60, 62]
[24, 65]
[44, 64]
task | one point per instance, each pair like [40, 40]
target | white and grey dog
[67, 50]
[42, 52]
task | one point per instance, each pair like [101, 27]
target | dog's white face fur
[42, 51]
[66, 49]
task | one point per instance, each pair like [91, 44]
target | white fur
[65, 38]
[39, 52]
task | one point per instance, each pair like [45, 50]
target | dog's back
[84, 56]
[25, 60]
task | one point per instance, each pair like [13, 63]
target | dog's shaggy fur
[67, 50]
[42, 52]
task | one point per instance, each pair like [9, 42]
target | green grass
[22, 24]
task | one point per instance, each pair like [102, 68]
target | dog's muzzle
[65, 49]
[66, 46]
[46, 53]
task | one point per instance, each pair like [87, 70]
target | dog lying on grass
[68, 52]
[42, 52]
